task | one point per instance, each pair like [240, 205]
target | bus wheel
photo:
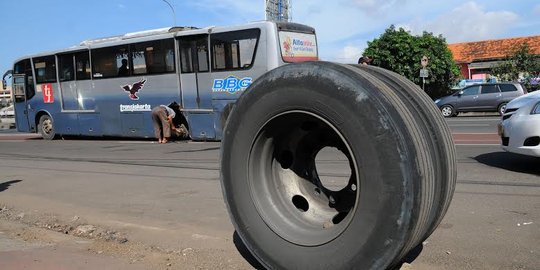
[330, 166]
[46, 127]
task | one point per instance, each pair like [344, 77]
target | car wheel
[392, 196]
[501, 108]
[447, 111]
[46, 127]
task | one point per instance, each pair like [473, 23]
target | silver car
[491, 97]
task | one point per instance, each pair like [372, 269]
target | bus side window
[202, 55]
[234, 50]
[82, 66]
[186, 58]
[194, 54]
[45, 69]
[66, 70]
[154, 57]
[111, 62]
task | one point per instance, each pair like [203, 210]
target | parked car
[490, 97]
[7, 112]
[520, 126]
[7, 116]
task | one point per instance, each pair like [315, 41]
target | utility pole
[278, 10]
[172, 8]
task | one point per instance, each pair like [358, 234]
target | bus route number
[47, 90]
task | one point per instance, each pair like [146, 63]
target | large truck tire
[399, 150]
[434, 129]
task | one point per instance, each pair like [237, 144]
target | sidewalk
[13, 134]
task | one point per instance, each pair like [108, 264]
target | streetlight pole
[172, 8]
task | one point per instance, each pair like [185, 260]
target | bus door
[21, 109]
[195, 72]
[75, 84]
[78, 115]
[68, 86]
[23, 90]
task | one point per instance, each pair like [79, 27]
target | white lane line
[469, 125]
[476, 144]
[474, 133]
[474, 120]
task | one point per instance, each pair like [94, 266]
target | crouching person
[162, 117]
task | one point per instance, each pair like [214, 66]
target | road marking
[477, 133]
[136, 142]
[475, 119]
[476, 138]
[476, 144]
[470, 125]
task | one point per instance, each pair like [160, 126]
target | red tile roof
[491, 49]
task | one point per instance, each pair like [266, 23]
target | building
[278, 10]
[5, 95]
[476, 59]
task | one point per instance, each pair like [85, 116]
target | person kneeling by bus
[162, 117]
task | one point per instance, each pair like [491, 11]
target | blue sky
[343, 27]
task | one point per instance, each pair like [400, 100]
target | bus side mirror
[4, 84]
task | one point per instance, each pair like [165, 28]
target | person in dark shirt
[364, 60]
[123, 70]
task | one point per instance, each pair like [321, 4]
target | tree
[401, 52]
[521, 66]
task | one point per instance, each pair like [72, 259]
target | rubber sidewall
[47, 136]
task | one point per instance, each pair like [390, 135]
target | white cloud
[343, 25]
[350, 54]
[333, 21]
[468, 22]
[375, 7]
[536, 9]
[239, 6]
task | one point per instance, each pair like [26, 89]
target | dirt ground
[43, 241]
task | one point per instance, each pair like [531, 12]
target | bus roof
[167, 32]
[139, 34]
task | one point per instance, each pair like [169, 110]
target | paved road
[473, 124]
[166, 201]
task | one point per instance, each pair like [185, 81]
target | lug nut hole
[300, 203]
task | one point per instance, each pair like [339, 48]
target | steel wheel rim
[446, 111]
[47, 126]
[284, 183]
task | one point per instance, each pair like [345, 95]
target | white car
[7, 112]
[520, 126]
